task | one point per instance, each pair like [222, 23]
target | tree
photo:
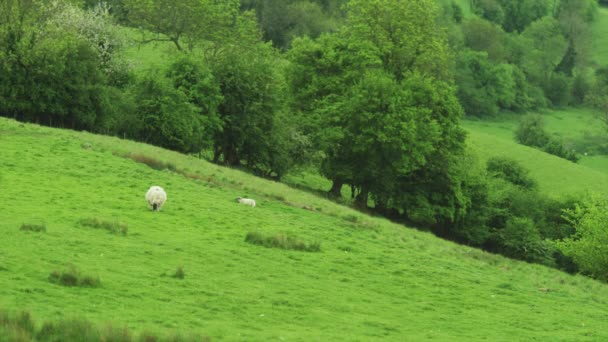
[546, 48]
[51, 73]
[252, 87]
[197, 82]
[513, 16]
[404, 33]
[165, 117]
[482, 35]
[598, 96]
[385, 135]
[184, 21]
[588, 247]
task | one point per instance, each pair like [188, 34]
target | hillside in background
[370, 280]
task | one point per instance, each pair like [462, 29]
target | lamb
[156, 197]
[246, 201]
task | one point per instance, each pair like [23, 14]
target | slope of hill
[578, 128]
[556, 177]
[371, 279]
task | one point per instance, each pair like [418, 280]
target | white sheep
[246, 201]
[156, 197]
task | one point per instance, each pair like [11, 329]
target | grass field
[576, 127]
[371, 279]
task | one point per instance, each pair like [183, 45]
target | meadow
[578, 128]
[188, 268]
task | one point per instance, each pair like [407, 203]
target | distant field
[371, 280]
[556, 177]
[577, 127]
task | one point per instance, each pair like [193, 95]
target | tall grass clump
[33, 227]
[16, 327]
[283, 241]
[179, 273]
[113, 227]
[151, 161]
[71, 276]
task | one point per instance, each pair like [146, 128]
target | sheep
[246, 201]
[156, 197]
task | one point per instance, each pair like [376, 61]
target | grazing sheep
[156, 197]
[246, 201]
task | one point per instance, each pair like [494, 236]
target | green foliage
[253, 90]
[521, 239]
[186, 22]
[485, 87]
[56, 73]
[405, 33]
[588, 247]
[514, 16]
[283, 241]
[283, 20]
[531, 131]
[511, 171]
[202, 90]
[165, 117]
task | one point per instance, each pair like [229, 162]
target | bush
[531, 131]
[72, 277]
[588, 247]
[118, 228]
[521, 240]
[284, 241]
[511, 171]
[557, 148]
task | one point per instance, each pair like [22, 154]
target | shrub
[531, 131]
[283, 241]
[72, 277]
[511, 171]
[521, 240]
[557, 148]
[33, 227]
[588, 247]
[118, 228]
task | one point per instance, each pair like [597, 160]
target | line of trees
[371, 96]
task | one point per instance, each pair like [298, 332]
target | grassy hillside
[371, 279]
[577, 127]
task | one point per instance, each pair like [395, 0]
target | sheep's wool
[156, 197]
[246, 201]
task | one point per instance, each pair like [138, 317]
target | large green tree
[185, 23]
[405, 34]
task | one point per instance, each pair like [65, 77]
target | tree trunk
[336, 188]
[361, 200]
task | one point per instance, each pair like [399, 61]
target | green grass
[578, 128]
[372, 279]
